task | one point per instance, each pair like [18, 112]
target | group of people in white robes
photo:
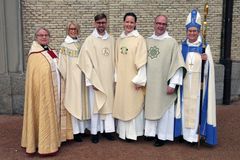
[132, 86]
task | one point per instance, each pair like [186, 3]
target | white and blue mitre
[193, 20]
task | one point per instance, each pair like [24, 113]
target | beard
[101, 30]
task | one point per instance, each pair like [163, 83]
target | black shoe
[109, 136]
[129, 140]
[179, 139]
[148, 138]
[77, 137]
[193, 144]
[159, 143]
[94, 138]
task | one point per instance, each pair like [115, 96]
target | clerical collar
[69, 39]
[95, 34]
[161, 37]
[131, 34]
[45, 47]
[196, 43]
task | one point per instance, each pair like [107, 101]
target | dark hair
[130, 14]
[100, 16]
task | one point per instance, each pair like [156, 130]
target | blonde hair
[73, 23]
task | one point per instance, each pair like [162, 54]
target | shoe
[77, 137]
[148, 138]
[129, 140]
[94, 138]
[179, 139]
[192, 144]
[159, 143]
[109, 136]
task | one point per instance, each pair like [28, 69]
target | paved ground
[228, 121]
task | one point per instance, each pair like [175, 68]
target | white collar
[161, 37]
[97, 35]
[196, 43]
[68, 39]
[131, 34]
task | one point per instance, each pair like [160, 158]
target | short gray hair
[41, 28]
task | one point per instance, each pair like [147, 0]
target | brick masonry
[54, 14]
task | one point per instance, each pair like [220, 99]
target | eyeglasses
[192, 30]
[73, 29]
[42, 35]
[159, 23]
[102, 23]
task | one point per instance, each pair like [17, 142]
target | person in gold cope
[165, 68]
[131, 58]
[96, 60]
[42, 131]
[75, 92]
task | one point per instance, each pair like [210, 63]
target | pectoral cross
[190, 73]
[190, 66]
[191, 63]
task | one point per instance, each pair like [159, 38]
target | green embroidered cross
[124, 50]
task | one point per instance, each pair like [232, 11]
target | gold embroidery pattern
[77, 45]
[70, 52]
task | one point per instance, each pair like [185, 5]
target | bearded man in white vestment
[96, 60]
[165, 68]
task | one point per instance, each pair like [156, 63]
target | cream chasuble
[131, 55]
[164, 59]
[96, 60]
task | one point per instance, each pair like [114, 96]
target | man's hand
[95, 88]
[204, 56]
[137, 87]
[170, 90]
